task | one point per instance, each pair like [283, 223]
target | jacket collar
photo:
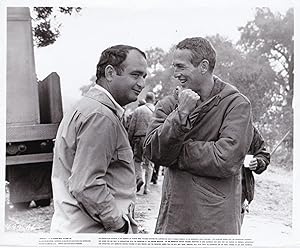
[220, 90]
[213, 99]
[150, 106]
[100, 94]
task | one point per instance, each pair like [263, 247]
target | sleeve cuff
[118, 224]
[184, 122]
[261, 166]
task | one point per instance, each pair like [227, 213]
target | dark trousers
[155, 173]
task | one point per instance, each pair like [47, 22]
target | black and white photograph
[149, 124]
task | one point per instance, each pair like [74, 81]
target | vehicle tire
[43, 202]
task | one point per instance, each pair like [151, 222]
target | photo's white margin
[2, 113]
[296, 106]
[32, 239]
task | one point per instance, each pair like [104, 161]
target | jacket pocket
[209, 193]
[125, 155]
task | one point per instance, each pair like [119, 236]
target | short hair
[201, 49]
[114, 56]
[150, 97]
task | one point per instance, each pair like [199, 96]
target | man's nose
[141, 82]
[176, 74]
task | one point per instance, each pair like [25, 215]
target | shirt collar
[119, 109]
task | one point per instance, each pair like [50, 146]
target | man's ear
[109, 72]
[204, 66]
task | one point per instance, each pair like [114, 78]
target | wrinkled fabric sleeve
[165, 134]
[259, 150]
[224, 157]
[96, 142]
[132, 127]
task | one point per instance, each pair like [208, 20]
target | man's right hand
[187, 101]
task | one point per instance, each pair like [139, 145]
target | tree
[45, 29]
[155, 58]
[272, 36]
[161, 80]
[250, 73]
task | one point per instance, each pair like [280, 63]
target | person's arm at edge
[260, 152]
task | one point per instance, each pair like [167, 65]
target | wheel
[43, 202]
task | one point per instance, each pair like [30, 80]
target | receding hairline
[137, 50]
[125, 62]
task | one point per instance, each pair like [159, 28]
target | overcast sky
[151, 24]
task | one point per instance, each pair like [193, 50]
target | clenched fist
[187, 101]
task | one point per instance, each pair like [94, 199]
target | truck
[33, 113]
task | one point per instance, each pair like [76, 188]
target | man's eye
[178, 67]
[135, 75]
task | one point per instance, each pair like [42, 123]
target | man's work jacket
[93, 175]
[204, 153]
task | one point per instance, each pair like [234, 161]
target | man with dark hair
[201, 135]
[93, 176]
[140, 120]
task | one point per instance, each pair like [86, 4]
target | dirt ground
[270, 213]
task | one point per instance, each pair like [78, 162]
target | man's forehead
[182, 55]
[135, 58]
[135, 62]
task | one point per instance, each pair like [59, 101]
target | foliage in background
[161, 79]
[271, 36]
[85, 88]
[45, 28]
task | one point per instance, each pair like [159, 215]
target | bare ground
[273, 196]
[271, 207]
[269, 220]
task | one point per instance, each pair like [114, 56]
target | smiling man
[93, 176]
[202, 136]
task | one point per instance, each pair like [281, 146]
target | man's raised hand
[187, 101]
